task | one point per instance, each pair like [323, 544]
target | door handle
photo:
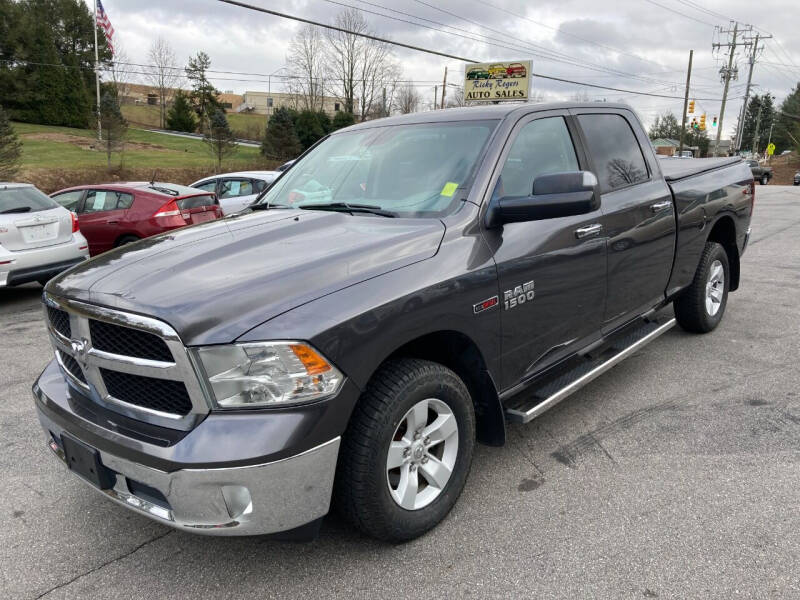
[112, 222]
[658, 206]
[588, 231]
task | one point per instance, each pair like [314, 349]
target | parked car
[797, 178]
[477, 73]
[236, 191]
[686, 154]
[517, 70]
[785, 152]
[38, 238]
[285, 166]
[761, 173]
[457, 270]
[115, 214]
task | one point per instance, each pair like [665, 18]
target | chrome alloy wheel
[422, 454]
[715, 288]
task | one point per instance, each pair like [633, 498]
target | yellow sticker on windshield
[449, 189]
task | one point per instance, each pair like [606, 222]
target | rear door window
[69, 200]
[616, 154]
[125, 200]
[104, 200]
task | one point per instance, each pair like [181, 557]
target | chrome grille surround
[91, 360]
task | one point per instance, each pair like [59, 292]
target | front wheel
[764, 179]
[407, 451]
[700, 307]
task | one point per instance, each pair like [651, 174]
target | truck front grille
[128, 342]
[135, 365]
[161, 395]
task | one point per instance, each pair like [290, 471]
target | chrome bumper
[249, 500]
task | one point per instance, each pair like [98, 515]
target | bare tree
[121, 72]
[358, 69]
[305, 62]
[581, 95]
[407, 99]
[164, 74]
[456, 97]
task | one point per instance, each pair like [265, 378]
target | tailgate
[29, 219]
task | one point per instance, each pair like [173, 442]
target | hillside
[244, 126]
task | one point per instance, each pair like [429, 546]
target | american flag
[105, 25]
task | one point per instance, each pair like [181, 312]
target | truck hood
[216, 281]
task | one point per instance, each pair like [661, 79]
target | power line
[677, 12]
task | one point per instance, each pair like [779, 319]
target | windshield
[407, 170]
[24, 199]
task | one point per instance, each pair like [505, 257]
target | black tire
[764, 179]
[125, 239]
[690, 307]
[361, 492]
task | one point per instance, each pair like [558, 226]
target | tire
[692, 310]
[364, 492]
[764, 179]
[125, 239]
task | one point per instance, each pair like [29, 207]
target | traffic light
[703, 122]
[691, 107]
[714, 123]
[693, 124]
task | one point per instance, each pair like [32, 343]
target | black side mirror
[553, 196]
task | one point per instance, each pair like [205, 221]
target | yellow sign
[771, 149]
[449, 189]
[498, 81]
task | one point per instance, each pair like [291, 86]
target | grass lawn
[246, 126]
[67, 148]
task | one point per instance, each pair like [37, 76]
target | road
[199, 136]
[675, 475]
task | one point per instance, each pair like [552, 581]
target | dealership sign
[491, 82]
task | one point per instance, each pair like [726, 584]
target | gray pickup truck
[760, 173]
[407, 288]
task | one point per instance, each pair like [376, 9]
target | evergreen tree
[665, 126]
[342, 119]
[764, 103]
[280, 138]
[181, 116]
[10, 149]
[324, 121]
[220, 138]
[113, 125]
[308, 128]
[786, 135]
[204, 96]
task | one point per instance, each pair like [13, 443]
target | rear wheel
[126, 239]
[700, 307]
[407, 450]
[764, 179]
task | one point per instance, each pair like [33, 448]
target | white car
[38, 238]
[237, 191]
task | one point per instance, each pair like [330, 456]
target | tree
[764, 104]
[407, 99]
[220, 138]
[456, 97]
[304, 60]
[342, 119]
[204, 96]
[181, 116]
[666, 125]
[10, 148]
[787, 126]
[280, 138]
[163, 74]
[324, 121]
[120, 71]
[308, 129]
[113, 125]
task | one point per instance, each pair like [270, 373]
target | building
[265, 103]
[669, 147]
[137, 93]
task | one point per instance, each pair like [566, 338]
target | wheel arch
[459, 353]
[724, 233]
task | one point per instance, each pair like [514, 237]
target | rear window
[196, 202]
[616, 153]
[24, 200]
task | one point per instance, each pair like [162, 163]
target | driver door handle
[658, 206]
[588, 231]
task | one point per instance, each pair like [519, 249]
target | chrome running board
[538, 398]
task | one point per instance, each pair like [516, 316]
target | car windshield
[24, 199]
[406, 170]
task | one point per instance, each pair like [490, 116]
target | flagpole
[97, 75]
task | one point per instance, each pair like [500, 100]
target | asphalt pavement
[675, 475]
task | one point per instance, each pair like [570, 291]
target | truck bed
[675, 169]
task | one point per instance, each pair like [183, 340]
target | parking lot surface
[675, 475]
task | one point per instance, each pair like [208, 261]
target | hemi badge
[486, 304]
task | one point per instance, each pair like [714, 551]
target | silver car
[237, 191]
[38, 238]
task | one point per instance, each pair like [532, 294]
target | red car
[114, 214]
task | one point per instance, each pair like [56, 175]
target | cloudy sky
[637, 45]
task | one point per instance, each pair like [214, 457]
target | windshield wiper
[18, 209]
[265, 206]
[351, 208]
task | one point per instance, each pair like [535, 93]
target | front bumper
[248, 499]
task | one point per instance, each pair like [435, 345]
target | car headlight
[262, 374]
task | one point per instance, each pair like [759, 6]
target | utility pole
[444, 86]
[435, 96]
[755, 49]
[758, 124]
[727, 73]
[383, 104]
[97, 75]
[685, 102]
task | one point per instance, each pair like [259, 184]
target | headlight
[267, 374]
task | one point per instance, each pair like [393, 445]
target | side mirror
[553, 196]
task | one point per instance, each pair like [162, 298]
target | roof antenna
[153, 178]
